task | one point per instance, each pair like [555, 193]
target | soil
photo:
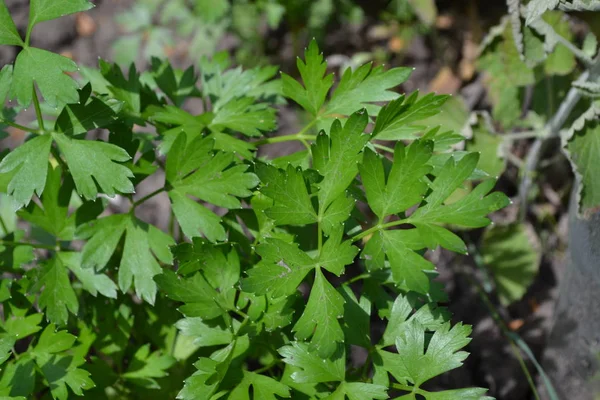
[492, 362]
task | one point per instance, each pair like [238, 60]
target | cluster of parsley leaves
[276, 267]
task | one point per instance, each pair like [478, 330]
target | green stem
[301, 135]
[384, 148]
[21, 127]
[357, 278]
[38, 110]
[379, 227]
[149, 196]
[267, 367]
[406, 388]
[10, 243]
[58, 159]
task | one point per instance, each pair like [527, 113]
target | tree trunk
[571, 358]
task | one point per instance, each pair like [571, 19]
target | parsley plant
[273, 269]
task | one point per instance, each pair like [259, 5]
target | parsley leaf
[313, 369]
[8, 31]
[45, 10]
[30, 165]
[144, 244]
[417, 362]
[209, 177]
[405, 185]
[263, 387]
[320, 318]
[146, 366]
[291, 201]
[336, 158]
[56, 87]
[58, 296]
[316, 85]
[358, 391]
[281, 270]
[95, 162]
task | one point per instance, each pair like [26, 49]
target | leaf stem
[19, 126]
[357, 278]
[267, 367]
[384, 148]
[378, 227]
[149, 196]
[301, 135]
[38, 110]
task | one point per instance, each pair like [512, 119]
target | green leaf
[203, 383]
[6, 344]
[429, 316]
[29, 163]
[143, 245]
[208, 177]
[146, 366]
[45, 10]
[357, 317]
[55, 202]
[61, 371]
[510, 252]
[94, 163]
[92, 281]
[8, 31]
[195, 219]
[176, 84]
[313, 369]
[581, 142]
[395, 120]
[363, 87]
[263, 387]
[23, 326]
[56, 87]
[506, 71]
[407, 266]
[405, 184]
[58, 297]
[319, 322]
[19, 378]
[470, 211]
[89, 114]
[560, 60]
[205, 333]
[418, 362]
[282, 268]
[288, 189]
[336, 254]
[358, 391]
[52, 341]
[244, 116]
[312, 96]
[489, 145]
[338, 161]
[5, 83]
[199, 296]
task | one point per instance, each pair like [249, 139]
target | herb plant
[277, 267]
